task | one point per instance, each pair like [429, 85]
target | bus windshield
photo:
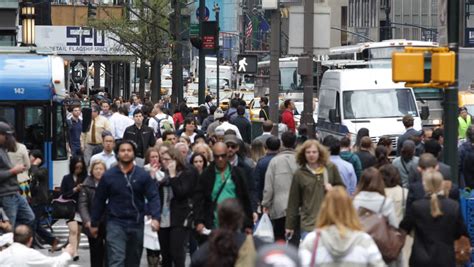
[384, 103]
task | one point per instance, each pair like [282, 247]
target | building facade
[8, 22]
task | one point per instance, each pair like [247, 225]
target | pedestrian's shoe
[54, 245]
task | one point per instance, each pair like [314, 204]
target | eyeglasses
[216, 156]
[233, 146]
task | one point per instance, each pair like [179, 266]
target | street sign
[206, 13]
[209, 37]
[247, 64]
[194, 30]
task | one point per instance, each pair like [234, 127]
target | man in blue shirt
[120, 196]
[75, 129]
[346, 170]
[273, 145]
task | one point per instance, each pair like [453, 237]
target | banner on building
[76, 40]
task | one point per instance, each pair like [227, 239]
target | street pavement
[61, 232]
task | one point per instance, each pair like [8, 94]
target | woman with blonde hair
[338, 239]
[311, 181]
[257, 150]
[203, 149]
[437, 222]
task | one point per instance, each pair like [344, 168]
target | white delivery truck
[351, 99]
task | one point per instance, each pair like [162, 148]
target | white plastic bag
[150, 238]
[264, 229]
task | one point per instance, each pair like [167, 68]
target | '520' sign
[83, 36]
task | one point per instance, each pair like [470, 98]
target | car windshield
[383, 103]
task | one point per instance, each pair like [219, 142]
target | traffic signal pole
[450, 151]
[202, 57]
[274, 68]
[308, 81]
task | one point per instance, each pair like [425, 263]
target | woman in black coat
[86, 197]
[176, 191]
[71, 186]
[437, 222]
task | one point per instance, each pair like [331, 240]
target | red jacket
[178, 119]
[288, 118]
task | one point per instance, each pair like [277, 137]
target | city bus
[32, 94]
[291, 86]
[379, 55]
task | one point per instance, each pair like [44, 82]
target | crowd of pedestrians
[201, 182]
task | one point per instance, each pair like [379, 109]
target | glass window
[59, 134]
[34, 127]
[289, 79]
[385, 103]
[7, 114]
[327, 101]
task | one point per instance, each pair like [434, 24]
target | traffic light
[91, 11]
[443, 67]
[408, 67]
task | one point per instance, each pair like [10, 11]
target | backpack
[166, 125]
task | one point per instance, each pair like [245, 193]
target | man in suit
[416, 190]
[410, 131]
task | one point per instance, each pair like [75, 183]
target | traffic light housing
[443, 67]
[91, 11]
[408, 67]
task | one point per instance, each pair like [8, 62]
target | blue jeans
[124, 245]
[17, 209]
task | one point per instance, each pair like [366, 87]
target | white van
[351, 99]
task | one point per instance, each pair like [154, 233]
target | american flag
[249, 30]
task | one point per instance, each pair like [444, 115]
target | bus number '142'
[19, 91]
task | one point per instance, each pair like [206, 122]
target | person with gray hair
[406, 161]
[20, 252]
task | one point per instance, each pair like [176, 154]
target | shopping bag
[150, 238]
[264, 229]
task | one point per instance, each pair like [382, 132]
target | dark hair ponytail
[223, 250]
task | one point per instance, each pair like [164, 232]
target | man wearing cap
[107, 155]
[233, 147]
[464, 121]
[408, 122]
[218, 115]
[93, 138]
[16, 207]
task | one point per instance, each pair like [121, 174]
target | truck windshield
[383, 103]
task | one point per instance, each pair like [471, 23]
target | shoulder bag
[315, 249]
[389, 240]
[63, 208]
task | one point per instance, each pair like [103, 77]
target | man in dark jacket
[415, 189]
[264, 111]
[220, 181]
[210, 119]
[15, 206]
[243, 124]
[366, 158]
[408, 122]
[39, 187]
[273, 146]
[142, 135]
[466, 158]
[121, 195]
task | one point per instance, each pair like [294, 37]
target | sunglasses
[220, 156]
[233, 146]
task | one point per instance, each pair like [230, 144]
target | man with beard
[121, 195]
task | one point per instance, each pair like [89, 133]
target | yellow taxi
[254, 108]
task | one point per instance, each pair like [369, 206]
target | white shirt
[19, 255]
[152, 123]
[226, 126]
[108, 159]
[119, 123]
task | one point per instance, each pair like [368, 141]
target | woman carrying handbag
[338, 239]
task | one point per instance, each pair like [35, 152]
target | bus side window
[34, 127]
[59, 134]
[7, 114]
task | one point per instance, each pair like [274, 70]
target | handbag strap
[315, 249]
[381, 207]
[214, 201]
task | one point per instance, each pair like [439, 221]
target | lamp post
[217, 9]
[28, 23]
